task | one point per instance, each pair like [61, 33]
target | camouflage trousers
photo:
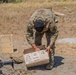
[38, 42]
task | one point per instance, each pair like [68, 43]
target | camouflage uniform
[50, 29]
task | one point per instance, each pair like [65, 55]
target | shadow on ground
[58, 62]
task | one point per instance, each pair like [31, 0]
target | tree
[5, 1]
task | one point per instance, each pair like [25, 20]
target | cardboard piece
[6, 44]
[30, 50]
[36, 58]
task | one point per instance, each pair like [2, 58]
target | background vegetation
[9, 1]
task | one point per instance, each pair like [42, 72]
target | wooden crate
[6, 43]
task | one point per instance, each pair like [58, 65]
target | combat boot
[49, 66]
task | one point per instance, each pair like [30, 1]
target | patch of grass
[16, 1]
[35, 1]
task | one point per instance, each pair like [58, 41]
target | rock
[17, 57]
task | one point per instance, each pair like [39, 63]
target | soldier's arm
[53, 29]
[29, 30]
[30, 37]
[29, 33]
[54, 32]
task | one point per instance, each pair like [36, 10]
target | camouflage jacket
[49, 20]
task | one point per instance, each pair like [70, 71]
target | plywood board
[6, 43]
[5, 39]
[7, 50]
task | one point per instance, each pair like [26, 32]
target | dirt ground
[13, 20]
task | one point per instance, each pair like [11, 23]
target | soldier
[43, 21]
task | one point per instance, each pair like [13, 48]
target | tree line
[6, 1]
[9, 1]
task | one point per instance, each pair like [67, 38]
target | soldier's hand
[37, 49]
[48, 49]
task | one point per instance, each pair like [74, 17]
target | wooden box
[6, 43]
